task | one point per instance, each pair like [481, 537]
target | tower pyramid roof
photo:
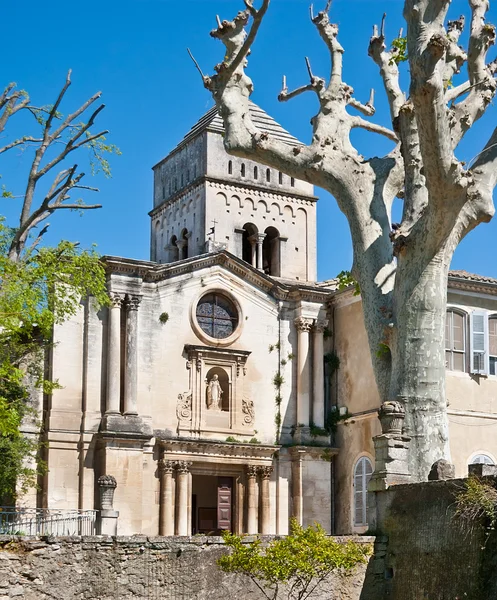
[211, 121]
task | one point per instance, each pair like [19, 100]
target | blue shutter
[479, 342]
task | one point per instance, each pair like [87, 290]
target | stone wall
[138, 568]
[424, 552]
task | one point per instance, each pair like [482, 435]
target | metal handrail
[46, 521]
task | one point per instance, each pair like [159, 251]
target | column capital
[260, 237]
[251, 471]
[303, 324]
[116, 299]
[133, 302]
[183, 466]
[265, 472]
[320, 325]
[181, 243]
[166, 466]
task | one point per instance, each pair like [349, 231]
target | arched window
[271, 252]
[230, 167]
[256, 173]
[280, 178]
[482, 459]
[492, 344]
[182, 244]
[268, 175]
[455, 341]
[362, 474]
[249, 247]
[242, 170]
[173, 249]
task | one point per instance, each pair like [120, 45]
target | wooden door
[224, 502]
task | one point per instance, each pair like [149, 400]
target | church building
[225, 388]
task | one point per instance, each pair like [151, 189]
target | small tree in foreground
[295, 565]
[401, 268]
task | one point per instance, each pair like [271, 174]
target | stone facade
[200, 388]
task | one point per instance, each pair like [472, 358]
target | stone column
[182, 468]
[108, 516]
[252, 500]
[131, 373]
[297, 498]
[303, 371]
[253, 239]
[265, 502]
[166, 516]
[182, 245]
[114, 355]
[318, 374]
[260, 240]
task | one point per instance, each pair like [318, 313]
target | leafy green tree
[40, 286]
[292, 566]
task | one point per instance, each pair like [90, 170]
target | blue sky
[134, 51]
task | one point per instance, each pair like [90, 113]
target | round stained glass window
[216, 316]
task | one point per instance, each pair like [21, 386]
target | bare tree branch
[374, 128]
[367, 109]
[389, 70]
[329, 33]
[19, 142]
[481, 76]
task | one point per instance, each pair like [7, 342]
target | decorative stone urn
[392, 415]
[107, 485]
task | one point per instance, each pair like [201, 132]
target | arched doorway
[249, 244]
[271, 252]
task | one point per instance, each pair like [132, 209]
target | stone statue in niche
[214, 393]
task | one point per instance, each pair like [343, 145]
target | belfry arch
[271, 262]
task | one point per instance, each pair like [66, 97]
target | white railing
[46, 521]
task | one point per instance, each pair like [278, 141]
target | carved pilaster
[131, 373]
[251, 471]
[166, 466]
[318, 372]
[248, 412]
[133, 302]
[320, 325]
[252, 499]
[116, 299]
[265, 472]
[184, 408]
[183, 466]
[114, 354]
[303, 324]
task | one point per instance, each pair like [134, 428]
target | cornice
[262, 191]
[204, 448]
[151, 272]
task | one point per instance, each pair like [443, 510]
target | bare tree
[60, 136]
[402, 269]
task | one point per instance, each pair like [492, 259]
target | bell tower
[206, 200]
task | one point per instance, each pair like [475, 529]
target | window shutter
[479, 343]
